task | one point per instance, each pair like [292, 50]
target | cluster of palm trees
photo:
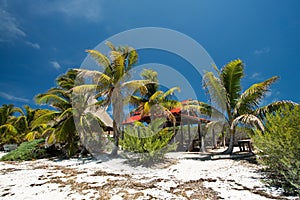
[112, 87]
[18, 125]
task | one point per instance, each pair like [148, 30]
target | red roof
[132, 119]
[137, 116]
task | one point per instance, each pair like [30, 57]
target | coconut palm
[9, 124]
[111, 85]
[154, 101]
[35, 130]
[236, 106]
[62, 130]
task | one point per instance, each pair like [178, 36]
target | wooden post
[189, 132]
[214, 138]
[201, 138]
[181, 136]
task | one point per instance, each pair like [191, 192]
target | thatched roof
[100, 112]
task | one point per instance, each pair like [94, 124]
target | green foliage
[148, 143]
[62, 130]
[279, 148]
[27, 151]
[237, 107]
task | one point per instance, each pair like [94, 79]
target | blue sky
[40, 40]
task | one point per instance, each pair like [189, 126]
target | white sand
[112, 179]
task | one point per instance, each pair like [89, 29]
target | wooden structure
[183, 117]
[245, 145]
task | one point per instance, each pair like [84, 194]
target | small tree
[279, 148]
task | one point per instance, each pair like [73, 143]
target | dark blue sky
[40, 40]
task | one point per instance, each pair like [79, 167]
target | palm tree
[9, 122]
[111, 84]
[154, 101]
[236, 106]
[35, 130]
[63, 129]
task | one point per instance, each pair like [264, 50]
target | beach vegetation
[278, 148]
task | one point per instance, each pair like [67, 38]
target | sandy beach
[183, 177]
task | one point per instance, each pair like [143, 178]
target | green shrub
[279, 149]
[27, 151]
[149, 144]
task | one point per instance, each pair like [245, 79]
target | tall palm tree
[112, 83]
[236, 106]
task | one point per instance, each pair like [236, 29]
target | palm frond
[97, 76]
[216, 90]
[45, 119]
[170, 104]
[32, 135]
[51, 99]
[132, 57]
[135, 100]
[135, 85]
[231, 75]
[9, 128]
[170, 92]
[110, 45]
[67, 113]
[251, 97]
[118, 65]
[203, 109]
[17, 110]
[80, 89]
[101, 59]
[248, 119]
[155, 95]
[272, 107]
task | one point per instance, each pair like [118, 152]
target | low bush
[147, 144]
[27, 151]
[279, 149]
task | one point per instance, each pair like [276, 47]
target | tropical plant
[35, 130]
[279, 147]
[225, 91]
[111, 84]
[10, 124]
[27, 151]
[148, 143]
[155, 102]
[62, 130]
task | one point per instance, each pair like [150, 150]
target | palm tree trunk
[117, 106]
[116, 138]
[229, 150]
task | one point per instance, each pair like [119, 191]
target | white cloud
[255, 75]
[80, 9]
[10, 30]
[13, 98]
[33, 45]
[9, 27]
[269, 94]
[55, 64]
[264, 50]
